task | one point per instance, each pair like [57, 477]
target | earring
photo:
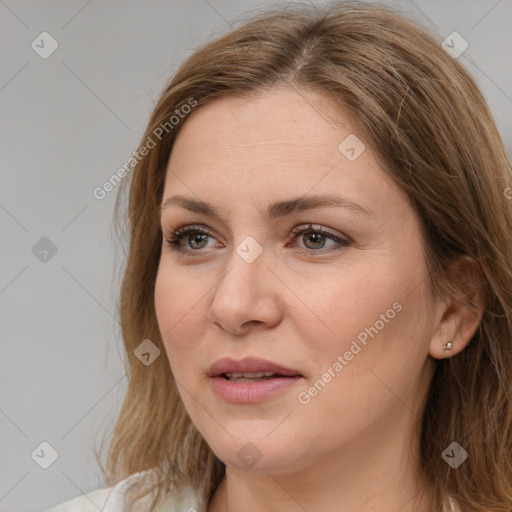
[448, 346]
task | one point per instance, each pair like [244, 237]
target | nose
[246, 296]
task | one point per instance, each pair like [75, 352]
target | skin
[353, 447]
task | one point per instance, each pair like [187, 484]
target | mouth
[250, 368]
[252, 377]
[250, 380]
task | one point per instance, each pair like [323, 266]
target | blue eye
[196, 238]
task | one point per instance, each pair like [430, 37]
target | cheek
[340, 306]
[378, 350]
[176, 298]
[181, 316]
[167, 308]
[370, 318]
[173, 299]
[166, 305]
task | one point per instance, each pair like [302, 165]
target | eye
[196, 236]
[315, 238]
[192, 238]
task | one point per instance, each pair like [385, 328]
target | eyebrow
[274, 210]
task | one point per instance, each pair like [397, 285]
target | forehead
[274, 142]
[270, 119]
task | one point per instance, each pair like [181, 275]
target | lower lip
[250, 392]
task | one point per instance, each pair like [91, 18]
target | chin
[254, 453]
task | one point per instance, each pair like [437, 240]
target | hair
[424, 117]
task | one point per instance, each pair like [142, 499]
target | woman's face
[345, 309]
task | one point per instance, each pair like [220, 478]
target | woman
[320, 248]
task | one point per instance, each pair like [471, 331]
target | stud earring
[448, 346]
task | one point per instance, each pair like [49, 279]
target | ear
[459, 316]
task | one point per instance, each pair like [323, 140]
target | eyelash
[173, 239]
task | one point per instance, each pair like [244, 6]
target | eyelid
[304, 228]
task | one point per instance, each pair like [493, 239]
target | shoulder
[111, 499]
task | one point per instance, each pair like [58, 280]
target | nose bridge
[245, 267]
[244, 294]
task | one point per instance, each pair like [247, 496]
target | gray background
[68, 123]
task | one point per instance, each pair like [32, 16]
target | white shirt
[111, 500]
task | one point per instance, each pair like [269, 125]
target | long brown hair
[423, 115]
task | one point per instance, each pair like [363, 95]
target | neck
[377, 471]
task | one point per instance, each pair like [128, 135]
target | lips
[251, 380]
[250, 366]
